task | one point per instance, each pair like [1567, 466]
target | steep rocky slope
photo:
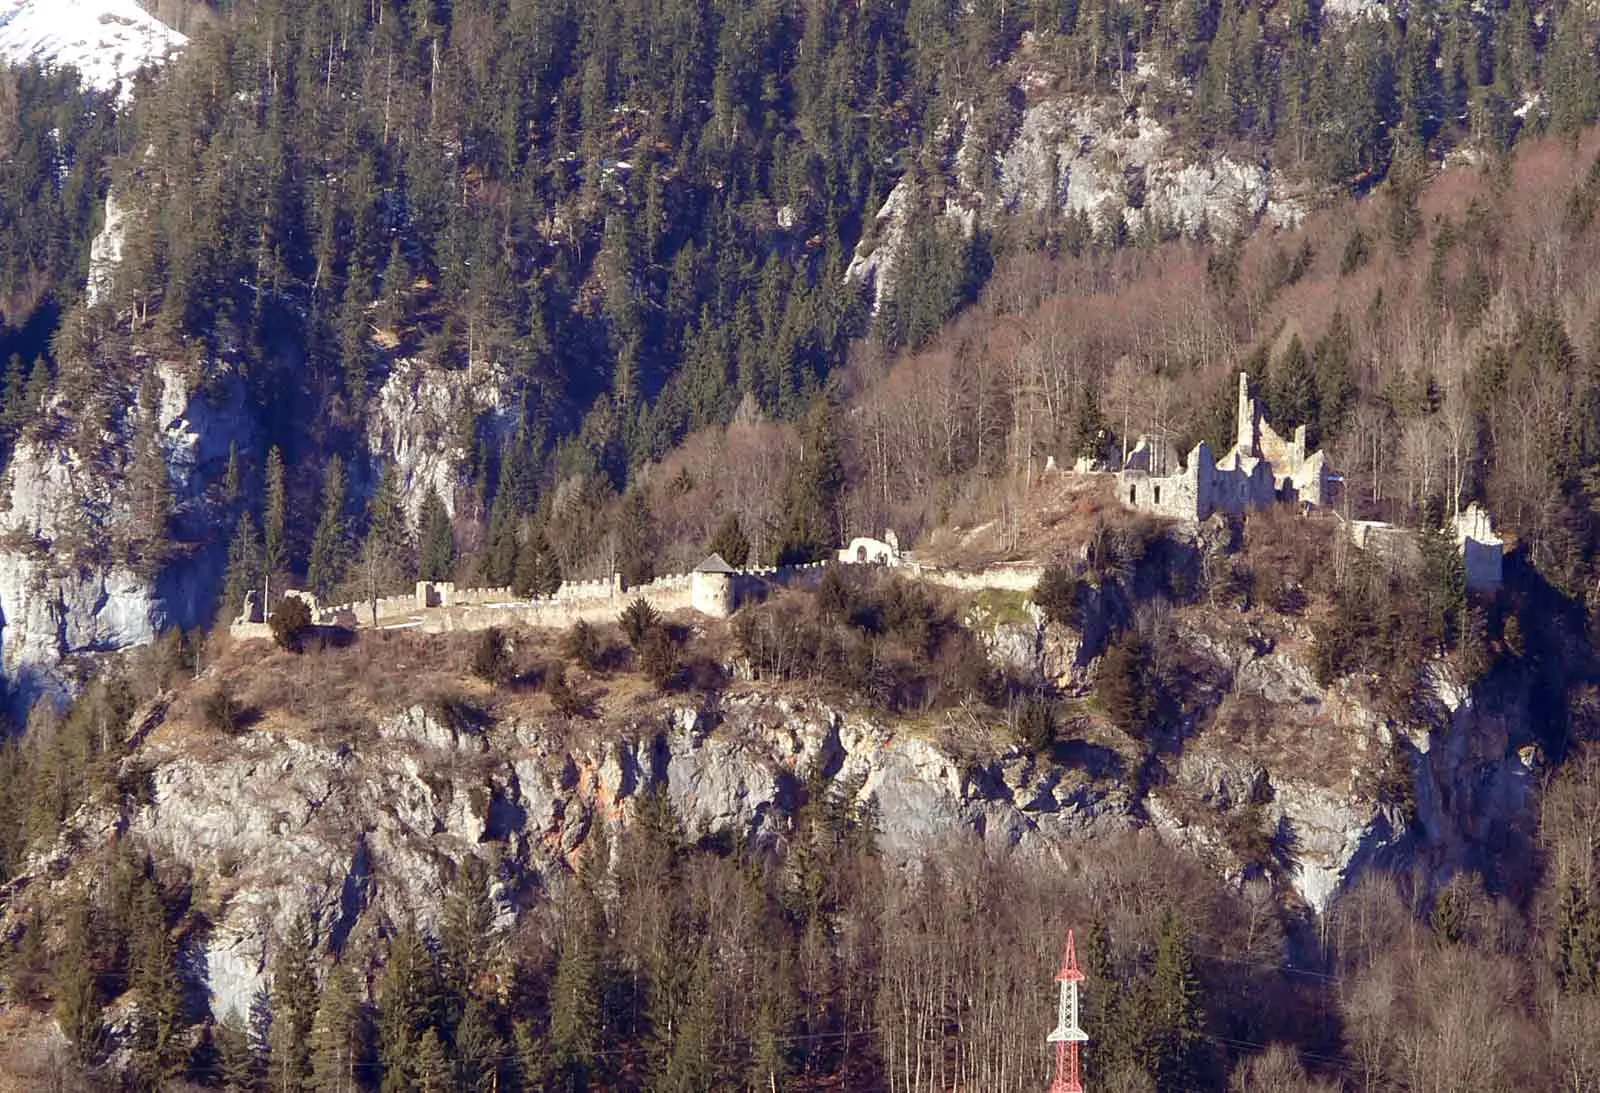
[64, 591]
[1103, 159]
[363, 775]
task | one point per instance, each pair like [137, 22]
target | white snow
[107, 41]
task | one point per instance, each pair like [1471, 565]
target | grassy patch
[998, 607]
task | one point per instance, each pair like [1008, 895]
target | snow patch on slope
[107, 41]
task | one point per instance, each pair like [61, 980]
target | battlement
[713, 588]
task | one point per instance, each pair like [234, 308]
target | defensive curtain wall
[713, 588]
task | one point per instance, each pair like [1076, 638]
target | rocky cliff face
[1274, 774]
[64, 590]
[422, 418]
[1098, 158]
[364, 832]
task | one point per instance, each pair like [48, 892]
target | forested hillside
[350, 295]
[642, 213]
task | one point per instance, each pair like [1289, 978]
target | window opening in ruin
[1133, 495]
[1158, 495]
[861, 553]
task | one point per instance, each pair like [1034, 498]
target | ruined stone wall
[1000, 578]
[1482, 551]
[440, 607]
[1178, 496]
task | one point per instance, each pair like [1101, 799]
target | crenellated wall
[440, 606]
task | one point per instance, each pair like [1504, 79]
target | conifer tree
[294, 1009]
[466, 931]
[244, 572]
[731, 542]
[1572, 71]
[1444, 578]
[408, 1001]
[13, 410]
[479, 1049]
[329, 546]
[337, 1034]
[538, 568]
[691, 1066]
[432, 1068]
[149, 481]
[232, 482]
[810, 530]
[76, 986]
[1292, 391]
[387, 556]
[577, 1014]
[1171, 1007]
[636, 549]
[35, 392]
[160, 1054]
[575, 1009]
[501, 564]
[438, 554]
[238, 1063]
[274, 522]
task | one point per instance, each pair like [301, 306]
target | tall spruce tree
[330, 545]
[338, 1034]
[76, 986]
[636, 546]
[810, 529]
[538, 567]
[437, 558]
[466, 932]
[408, 1004]
[1172, 1049]
[274, 524]
[388, 558]
[294, 1010]
[244, 572]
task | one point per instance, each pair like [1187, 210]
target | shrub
[221, 712]
[1033, 721]
[1057, 595]
[490, 660]
[835, 599]
[583, 645]
[638, 620]
[290, 620]
[567, 699]
[1122, 688]
[658, 656]
[731, 542]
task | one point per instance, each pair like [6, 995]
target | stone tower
[1249, 432]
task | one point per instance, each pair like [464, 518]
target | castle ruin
[1260, 469]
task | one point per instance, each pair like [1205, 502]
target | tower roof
[715, 563]
[1069, 963]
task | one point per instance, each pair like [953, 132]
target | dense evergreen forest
[642, 211]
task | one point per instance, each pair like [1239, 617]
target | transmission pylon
[1067, 1035]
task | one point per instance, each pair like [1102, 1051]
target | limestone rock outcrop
[421, 415]
[363, 832]
[64, 590]
[1117, 167]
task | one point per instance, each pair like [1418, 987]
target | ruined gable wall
[1177, 495]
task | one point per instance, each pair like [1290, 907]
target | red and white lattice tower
[1067, 1035]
